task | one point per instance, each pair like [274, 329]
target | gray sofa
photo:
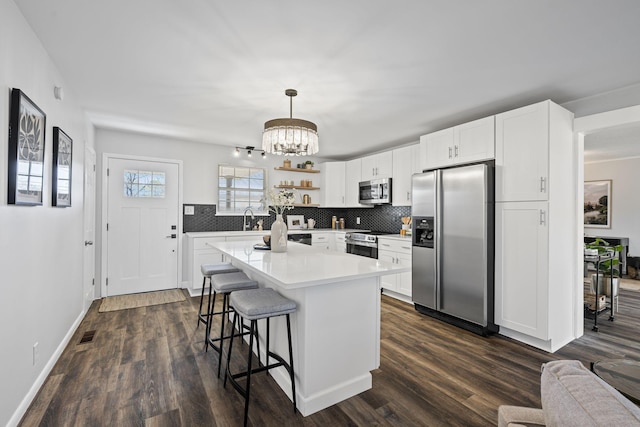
[572, 396]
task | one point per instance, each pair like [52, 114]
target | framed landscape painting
[27, 124]
[61, 173]
[597, 204]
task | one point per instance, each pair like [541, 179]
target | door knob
[171, 236]
[88, 243]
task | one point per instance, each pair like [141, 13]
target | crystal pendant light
[290, 137]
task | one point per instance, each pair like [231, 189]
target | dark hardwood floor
[146, 366]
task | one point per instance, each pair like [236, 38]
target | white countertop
[303, 265]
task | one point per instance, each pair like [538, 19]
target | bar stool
[253, 305]
[225, 284]
[209, 270]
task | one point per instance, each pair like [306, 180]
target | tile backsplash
[384, 218]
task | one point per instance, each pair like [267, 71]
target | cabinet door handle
[543, 184]
[408, 196]
[449, 152]
[543, 217]
[456, 151]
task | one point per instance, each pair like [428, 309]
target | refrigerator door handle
[438, 234]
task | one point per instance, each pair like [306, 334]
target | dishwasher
[304, 238]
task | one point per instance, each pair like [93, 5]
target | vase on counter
[279, 235]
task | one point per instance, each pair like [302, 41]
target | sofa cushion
[518, 416]
[574, 396]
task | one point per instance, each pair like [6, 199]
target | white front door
[89, 264]
[142, 226]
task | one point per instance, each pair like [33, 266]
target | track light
[250, 150]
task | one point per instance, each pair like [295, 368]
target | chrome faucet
[247, 225]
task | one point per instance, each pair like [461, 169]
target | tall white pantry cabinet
[536, 225]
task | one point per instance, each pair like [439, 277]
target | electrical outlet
[358, 220]
[36, 353]
[189, 210]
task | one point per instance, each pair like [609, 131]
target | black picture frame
[61, 171]
[27, 131]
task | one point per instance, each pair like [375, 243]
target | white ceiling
[370, 73]
[617, 143]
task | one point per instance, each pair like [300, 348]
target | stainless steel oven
[363, 244]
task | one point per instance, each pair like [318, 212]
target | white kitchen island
[336, 329]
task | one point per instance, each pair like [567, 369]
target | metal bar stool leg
[247, 391]
[211, 303]
[291, 371]
[204, 280]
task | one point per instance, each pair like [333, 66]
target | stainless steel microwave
[375, 192]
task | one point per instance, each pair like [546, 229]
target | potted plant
[606, 269]
[308, 164]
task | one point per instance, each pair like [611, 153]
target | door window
[144, 184]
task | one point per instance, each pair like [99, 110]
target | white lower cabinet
[534, 274]
[396, 251]
[340, 241]
[522, 260]
[321, 240]
[198, 253]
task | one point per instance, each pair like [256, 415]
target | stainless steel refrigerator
[453, 245]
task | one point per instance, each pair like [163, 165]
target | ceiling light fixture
[250, 150]
[290, 137]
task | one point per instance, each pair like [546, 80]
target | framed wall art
[61, 172]
[597, 204]
[27, 125]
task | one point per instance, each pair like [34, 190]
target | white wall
[625, 199]
[40, 247]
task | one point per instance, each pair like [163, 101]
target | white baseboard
[46, 370]
[397, 296]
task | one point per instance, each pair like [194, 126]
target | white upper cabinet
[377, 166]
[467, 143]
[333, 184]
[475, 141]
[405, 164]
[436, 149]
[522, 154]
[353, 173]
